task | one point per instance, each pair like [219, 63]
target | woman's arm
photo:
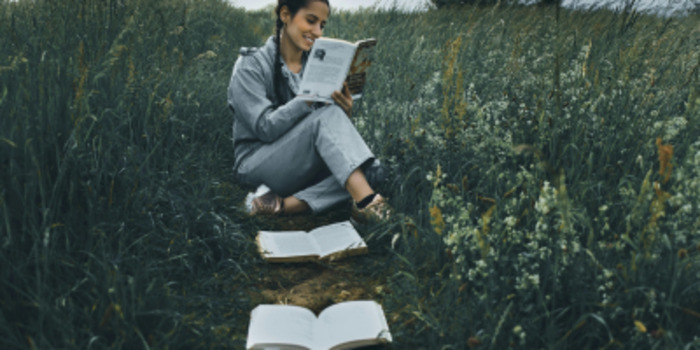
[248, 98]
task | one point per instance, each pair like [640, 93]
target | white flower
[543, 204]
[510, 221]
[534, 280]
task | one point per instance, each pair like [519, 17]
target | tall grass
[544, 165]
[547, 162]
[116, 188]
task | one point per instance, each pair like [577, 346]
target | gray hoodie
[251, 96]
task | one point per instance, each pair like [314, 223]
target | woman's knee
[334, 115]
[328, 112]
[331, 115]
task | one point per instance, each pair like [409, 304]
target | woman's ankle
[293, 205]
[365, 201]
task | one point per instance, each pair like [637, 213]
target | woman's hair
[294, 6]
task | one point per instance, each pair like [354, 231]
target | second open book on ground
[328, 242]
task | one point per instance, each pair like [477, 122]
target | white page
[281, 324]
[326, 68]
[280, 244]
[336, 238]
[350, 321]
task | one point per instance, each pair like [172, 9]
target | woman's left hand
[343, 99]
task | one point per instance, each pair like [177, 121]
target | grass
[544, 167]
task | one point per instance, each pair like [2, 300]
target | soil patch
[317, 285]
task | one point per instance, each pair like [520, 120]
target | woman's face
[306, 26]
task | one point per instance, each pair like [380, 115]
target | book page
[279, 325]
[326, 68]
[281, 244]
[358, 323]
[337, 238]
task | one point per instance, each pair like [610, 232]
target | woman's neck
[290, 54]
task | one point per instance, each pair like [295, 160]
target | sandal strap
[267, 204]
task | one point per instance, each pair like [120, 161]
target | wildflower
[436, 219]
[473, 342]
[543, 204]
[207, 55]
[518, 331]
[510, 221]
[665, 155]
[534, 280]
[657, 333]
[177, 31]
[640, 326]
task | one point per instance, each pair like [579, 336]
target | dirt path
[316, 286]
[319, 285]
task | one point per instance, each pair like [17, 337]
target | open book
[333, 61]
[328, 242]
[344, 325]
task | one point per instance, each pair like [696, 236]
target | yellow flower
[438, 176]
[436, 219]
[640, 326]
[665, 156]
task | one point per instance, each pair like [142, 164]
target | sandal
[265, 204]
[377, 210]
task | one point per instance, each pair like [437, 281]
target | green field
[544, 169]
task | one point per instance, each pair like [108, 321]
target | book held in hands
[330, 63]
[330, 242]
[344, 325]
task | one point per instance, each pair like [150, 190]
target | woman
[309, 155]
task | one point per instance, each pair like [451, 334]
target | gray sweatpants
[312, 161]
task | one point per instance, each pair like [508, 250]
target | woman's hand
[343, 99]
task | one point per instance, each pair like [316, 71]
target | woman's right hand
[344, 99]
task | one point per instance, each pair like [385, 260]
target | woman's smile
[309, 39]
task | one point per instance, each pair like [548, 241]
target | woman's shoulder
[247, 51]
[263, 55]
[254, 64]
